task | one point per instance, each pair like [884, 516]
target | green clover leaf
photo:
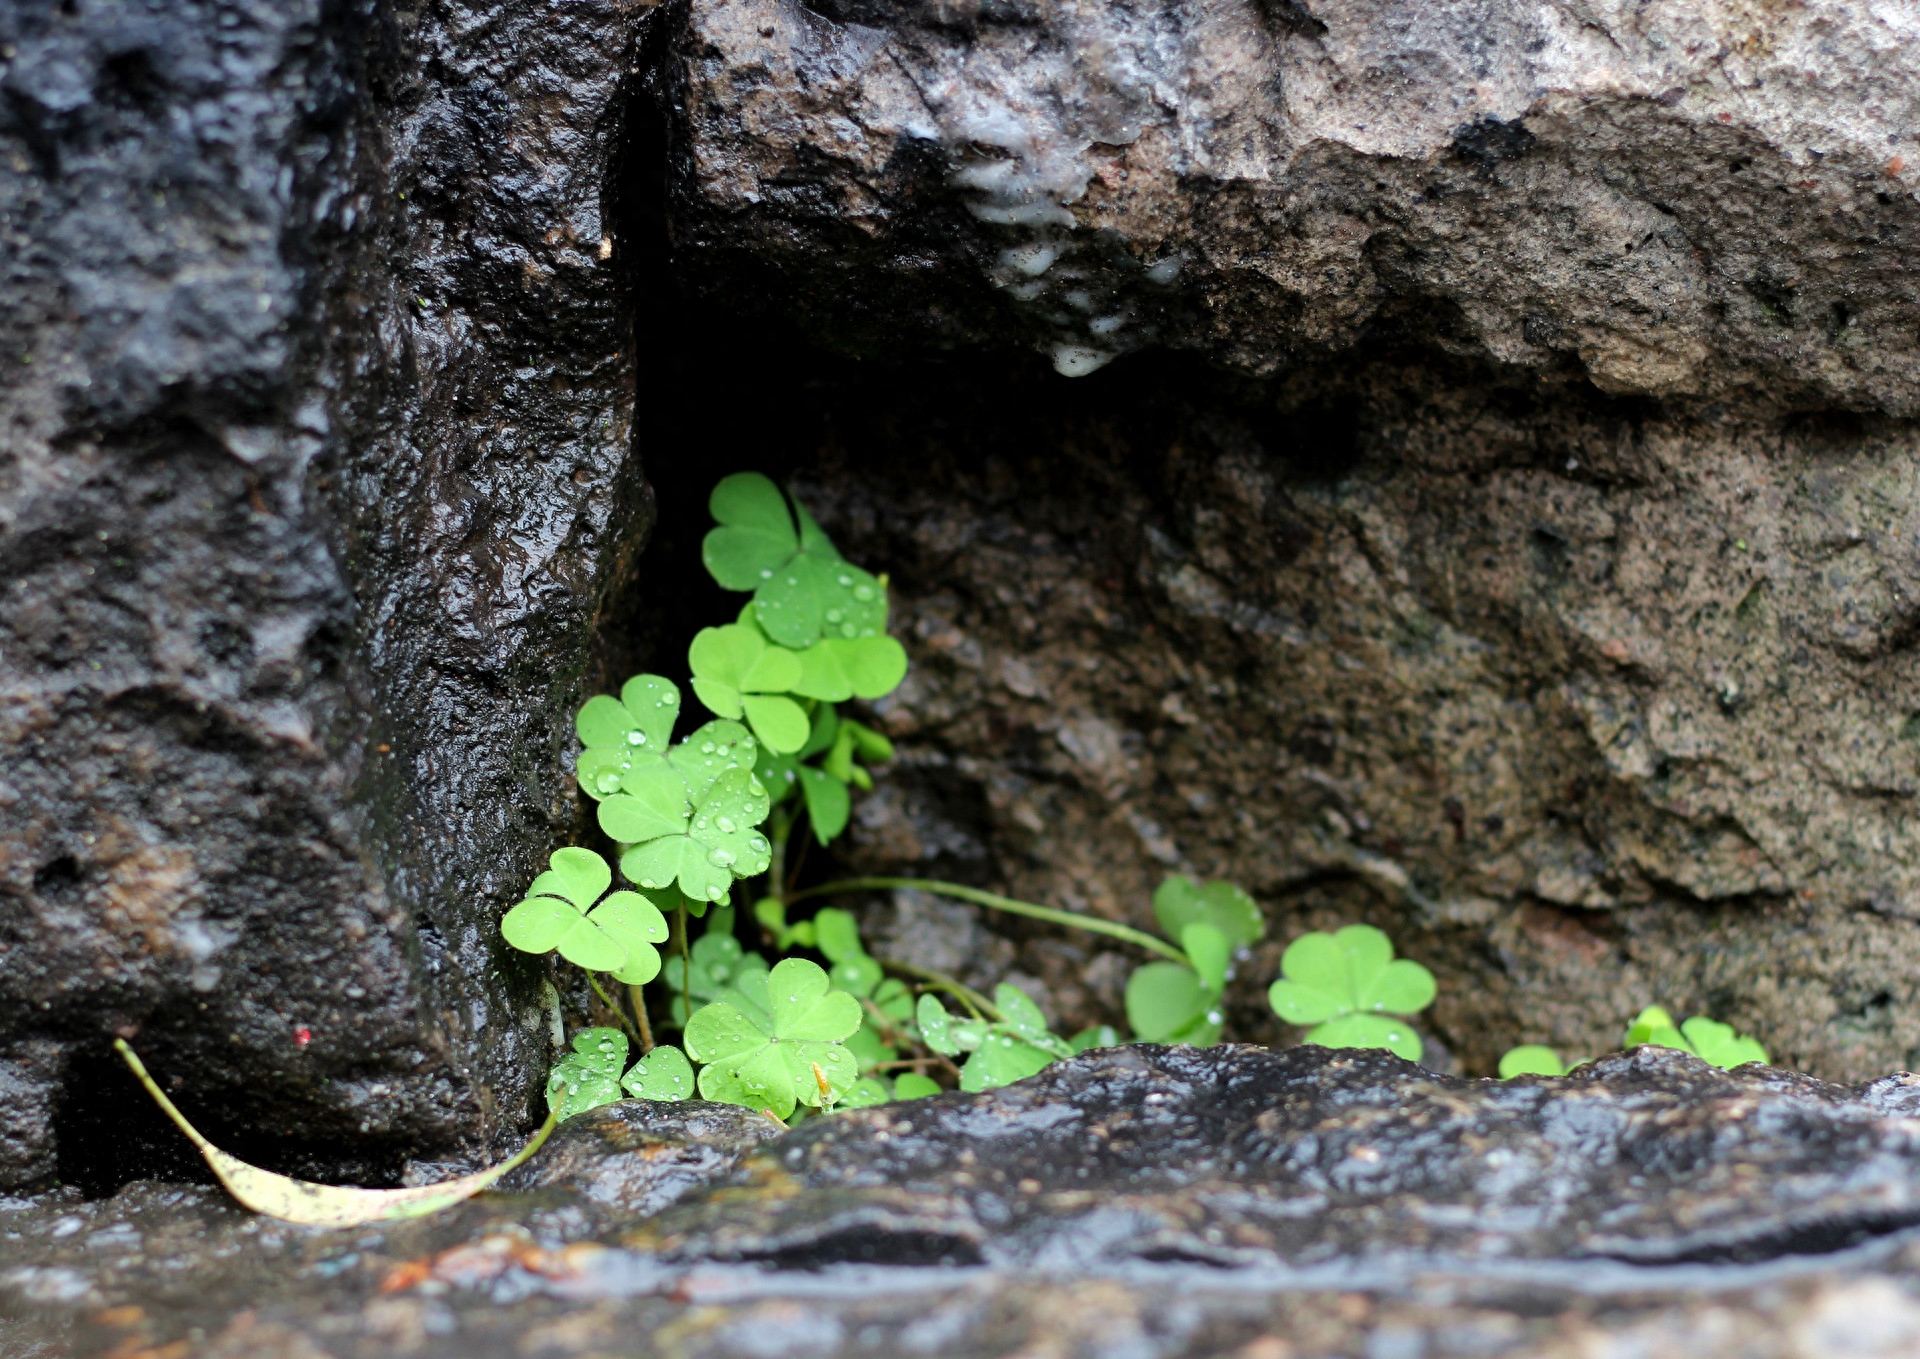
[1711, 1041]
[589, 1076]
[714, 970]
[663, 1074]
[867, 1092]
[1333, 981]
[1100, 1036]
[829, 804]
[786, 1061]
[913, 1085]
[616, 936]
[619, 733]
[716, 841]
[936, 1027]
[1000, 1060]
[802, 589]
[1530, 1059]
[1168, 1003]
[837, 934]
[710, 751]
[737, 671]
[1180, 901]
[836, 669]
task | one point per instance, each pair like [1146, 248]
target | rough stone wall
[313, 476]
[1676, 198]
[1530, 567]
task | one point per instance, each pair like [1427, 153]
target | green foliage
[617, 935]
[663, 1074]
[589, 1076]
[1711, 1041]
[1349, 986]
[1171, 1003]
[1001, 1051]
[702, 845]
[803, 590]
[794, 1057]
[717, 968]
[1100, 1036]
[1180, 901]
[738, 672]
[1530, 1059]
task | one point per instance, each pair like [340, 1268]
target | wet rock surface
[314, 473]
[1144, 1201]
[1672, 199]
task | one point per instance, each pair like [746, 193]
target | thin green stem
[639, 999]
[613, 1009]
[979, 1005]
[777, 867]
[1124, 933]
[686, 955]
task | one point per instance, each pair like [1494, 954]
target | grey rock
[1671, 199]
[1142, 1201]
[315, 473]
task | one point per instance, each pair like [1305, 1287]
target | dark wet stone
[1144, 1201]
[315, 391]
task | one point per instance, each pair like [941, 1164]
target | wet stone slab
[1142, 1201]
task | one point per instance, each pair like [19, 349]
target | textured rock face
[313, 475]
[1671, 199]
[1588, 705]
[1143, 1201]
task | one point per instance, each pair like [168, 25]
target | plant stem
[981, 1007]
[1125, 933]
[686, 957]
[777, 868]
[639, 1000]
[799, 860]
[612, 1009]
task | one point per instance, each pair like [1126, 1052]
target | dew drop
[846, 580]
[758, 844]
[725, 823]
[708, 747]
[716, 894]
[766, 573]
[720, 858]
[849, 630]
[652, 882]
[834, 615]
[609, 782]
[636, 738]
[863, 593]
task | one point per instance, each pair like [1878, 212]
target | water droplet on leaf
[849, 630]
[608, 782]
[720, 858]
[636, 738]
[725, 823]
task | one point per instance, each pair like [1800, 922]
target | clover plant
[780, 760]
[1352, 990]
[1181, 1003]
[1000, 1051]
[1531, 1059]
[1711, 1041]
[617, 935]
[795, 1057]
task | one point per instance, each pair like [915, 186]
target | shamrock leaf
[913, 1085]
[704, 847]
[1180, 901]
[802, 589]
[710, 751]
[836, 669]
[714, 970]
[620, 732]
[1530, 1059]
[836, 934]
[616, 936]
[828, 802]
[736, 671]
[867, 1092]
[589, 1076]
[663, 1074]
[796, 1057]
[1009, 1050]
[1368, 1031]
[1711, 1041]
[1168, 1003]
[870, 1050]
[1333, 981]
[1100, 1036]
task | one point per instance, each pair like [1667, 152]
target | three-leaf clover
[1711, 1041]
[617, 731]
[702, 842]
[1349, 986]
[802, 589]
[663, 1074]
[1531, 1059]
[617, 935]
[1170, 1003]
[1016, 1046]
[589, 1076]
[795, 1058]
[717, 968]
[737, 672]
